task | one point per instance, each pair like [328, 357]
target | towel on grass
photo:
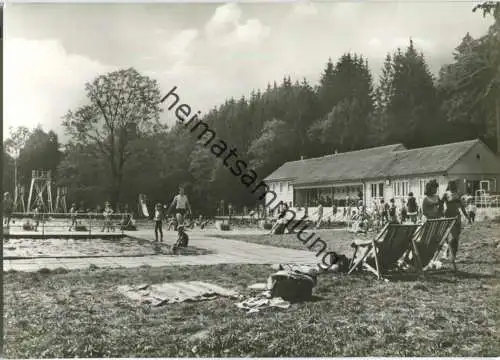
[261, 302]
[168, 293]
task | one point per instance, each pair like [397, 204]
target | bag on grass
[291, 286]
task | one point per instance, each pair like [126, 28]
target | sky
[211, 52]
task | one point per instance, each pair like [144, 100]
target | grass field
[80, 314]
[338, 240]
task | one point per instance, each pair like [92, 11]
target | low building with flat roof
[384, 172]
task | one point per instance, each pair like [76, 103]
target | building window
[281, 186]
[289, 186]
[381, 190]
[421, 186]
[377, 190]
[401, 188]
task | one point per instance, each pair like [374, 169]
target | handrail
[43, 220]
[68, 215]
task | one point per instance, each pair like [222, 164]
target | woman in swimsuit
[454, 205]
[431, 205]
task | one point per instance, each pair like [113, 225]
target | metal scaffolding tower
[41, 184]
[19, 203]
[61, 200]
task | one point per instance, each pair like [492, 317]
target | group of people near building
[451, 205]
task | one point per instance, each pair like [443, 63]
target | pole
[15, 174]
[498, 126]
[16, 199]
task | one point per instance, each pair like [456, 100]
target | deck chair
[428, 241]
[383, 252]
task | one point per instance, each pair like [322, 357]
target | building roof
[321, 166]
[427, 160]
[380, 162]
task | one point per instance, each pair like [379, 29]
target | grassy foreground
[80, 314]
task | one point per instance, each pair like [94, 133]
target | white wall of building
[399, 188]
[283, 190]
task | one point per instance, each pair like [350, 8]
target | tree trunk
[116, 186]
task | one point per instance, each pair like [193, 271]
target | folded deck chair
[428, 241]
[383, 252]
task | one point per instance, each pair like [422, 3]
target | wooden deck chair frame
[373, 247]
[434, 231]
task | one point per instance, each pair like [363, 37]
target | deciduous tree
[122, 105]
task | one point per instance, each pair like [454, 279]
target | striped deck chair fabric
[382, 253]
[428, 240]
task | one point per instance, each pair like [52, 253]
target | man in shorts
[182, 206]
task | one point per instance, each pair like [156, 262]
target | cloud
[346, 11]
[375, 42]
[226, 28]
[43, 82]
[251, 32]
[303, 8]
[225, 17]
[179, 45]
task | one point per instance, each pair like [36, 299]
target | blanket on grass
[168, 293]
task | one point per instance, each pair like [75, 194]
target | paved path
[225, 252]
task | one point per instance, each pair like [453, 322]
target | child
[393, 218]
[404, 213]
[412, 208]
[172, 223]
[182, 239]
[72, 213]
[202, 222]
[107, 218]
[471, 210]
[158, 219]
[36, 218]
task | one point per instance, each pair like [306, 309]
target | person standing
[404, 212]
[158, 219]
[108, 211]
[454, 206]
[384, 212]
[393, 217]
[431, 205]
[182, 206]
[471, 211]
[72, 214]
[8, 207]
[320, 216]
[412, 208]
[36, 218]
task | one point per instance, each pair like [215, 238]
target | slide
[144, 207]
[145, 211]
